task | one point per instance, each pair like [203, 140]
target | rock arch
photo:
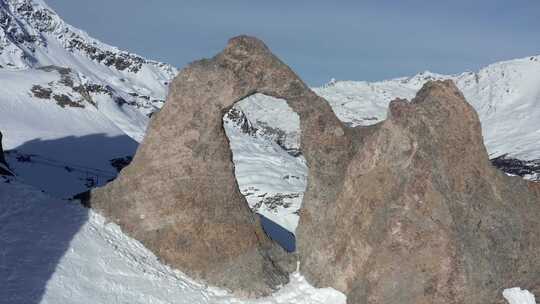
[409, 210]
[179, 195]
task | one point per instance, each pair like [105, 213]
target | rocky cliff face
[421, 216]
[180, 197]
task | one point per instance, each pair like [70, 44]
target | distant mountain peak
[28, 26]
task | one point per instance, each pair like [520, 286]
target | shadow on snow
[35, 228]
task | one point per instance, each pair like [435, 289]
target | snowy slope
[70, 104]
[32, 35]
[57, 139]
[55, 251]
[264, 137]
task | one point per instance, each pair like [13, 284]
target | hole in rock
[264, 136]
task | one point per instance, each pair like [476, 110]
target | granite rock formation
[179, 196]
[421, 215]
[407, 211]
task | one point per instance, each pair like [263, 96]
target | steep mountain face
[32, 36]
[64, 93]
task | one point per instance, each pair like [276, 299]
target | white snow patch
[517, 295]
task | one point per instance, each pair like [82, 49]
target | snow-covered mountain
[506, 96]
[70, 104]
[33, 36]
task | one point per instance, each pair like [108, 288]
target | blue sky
[346, 40]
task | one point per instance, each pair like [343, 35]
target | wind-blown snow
[55, 251]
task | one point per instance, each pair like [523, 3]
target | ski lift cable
[75, 167]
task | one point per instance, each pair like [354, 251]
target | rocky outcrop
[407, 211]
[4, 168]
[179, 196]
[420, 215]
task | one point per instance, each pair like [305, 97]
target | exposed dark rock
[421, 215]
[518, 167]
[67, 80]
[4, 168]
[120, 60]
[65, 101]
[53, 68]
[239, 118]
[275, 201]
[121, 162]
[41, 92]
